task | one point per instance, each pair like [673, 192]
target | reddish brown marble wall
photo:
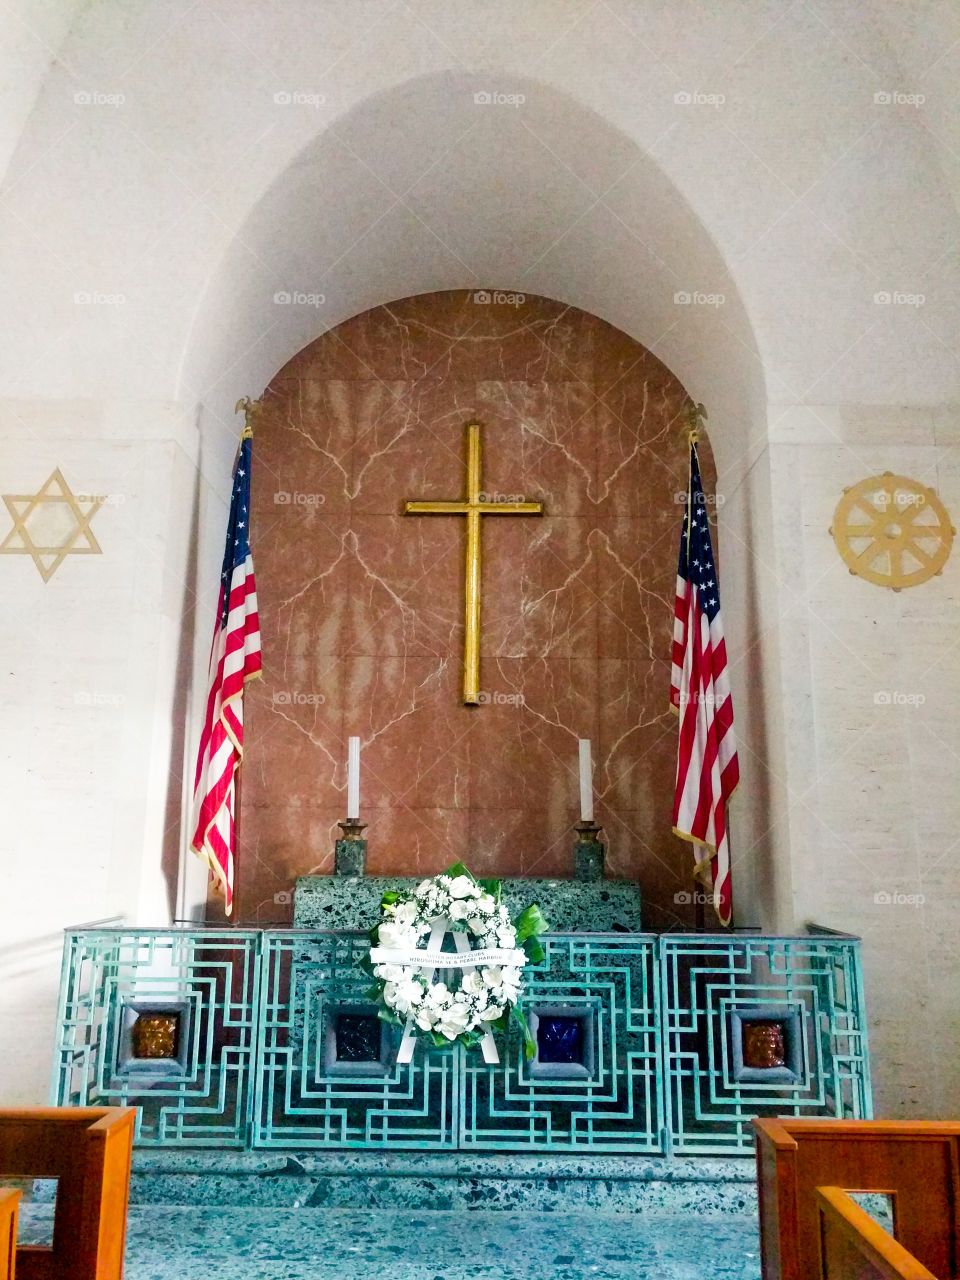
[361, 607]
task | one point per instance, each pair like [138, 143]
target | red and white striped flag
[234, 659]
[707, 766]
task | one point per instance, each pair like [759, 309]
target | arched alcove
[419, 188]
[361, 607]
[396, 199]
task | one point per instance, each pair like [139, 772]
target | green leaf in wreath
[492, 887]
[366, 964]
[389, 898]
[529, 1044]
[534, 950]
[530, 923]
[458, 869]
[387, 1015]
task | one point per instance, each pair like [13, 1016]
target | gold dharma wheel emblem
[893, 531]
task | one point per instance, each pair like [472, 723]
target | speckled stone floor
[180, 1243]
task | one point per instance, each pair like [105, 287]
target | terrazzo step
[417, 1181]
[179, 1243]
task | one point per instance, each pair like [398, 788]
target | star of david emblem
[51, 525]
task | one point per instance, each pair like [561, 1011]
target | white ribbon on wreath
[404, 960]
[434, 958]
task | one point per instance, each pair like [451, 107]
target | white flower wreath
[487, 993]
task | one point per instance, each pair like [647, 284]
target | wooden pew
[88, 1150]
[9, 1203]
[855, 1247]
[915, 1162]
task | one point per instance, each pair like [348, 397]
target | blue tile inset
[560, 1039]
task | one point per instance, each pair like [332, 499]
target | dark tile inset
[560, 1039]
[358, 1037]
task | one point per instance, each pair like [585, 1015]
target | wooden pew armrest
[841, 1216]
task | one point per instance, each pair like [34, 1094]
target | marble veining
[180, 1243]
[570, 906]
[416, 1180]
[350, 1215]
[501, 1164]
[361, 608]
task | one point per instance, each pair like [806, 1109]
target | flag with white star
[707, 766]
[235, 658]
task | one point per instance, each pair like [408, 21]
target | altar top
[570, 906]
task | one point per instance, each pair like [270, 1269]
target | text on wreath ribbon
[424, 959]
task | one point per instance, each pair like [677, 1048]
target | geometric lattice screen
[302, 1099]
[646, 1043]
[808, 991]
[448, 1098]
[191, 1070]
[611, 1103]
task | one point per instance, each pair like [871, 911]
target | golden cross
[473, 508]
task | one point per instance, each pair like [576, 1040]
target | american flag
[707, 766]
[234, 659]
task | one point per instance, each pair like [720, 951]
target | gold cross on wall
[473, 508]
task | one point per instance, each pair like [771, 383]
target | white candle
[353, 778]
[586, 782]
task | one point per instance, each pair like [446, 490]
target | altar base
[411, 1180]
[571, 906]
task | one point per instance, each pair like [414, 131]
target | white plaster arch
[790, 177]
[357, 223]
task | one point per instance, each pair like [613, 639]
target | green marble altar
[571, 906]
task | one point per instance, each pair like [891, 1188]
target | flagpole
[251, 412]
[695, 415]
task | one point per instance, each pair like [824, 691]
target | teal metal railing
[712, 987]
[250, 1057]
